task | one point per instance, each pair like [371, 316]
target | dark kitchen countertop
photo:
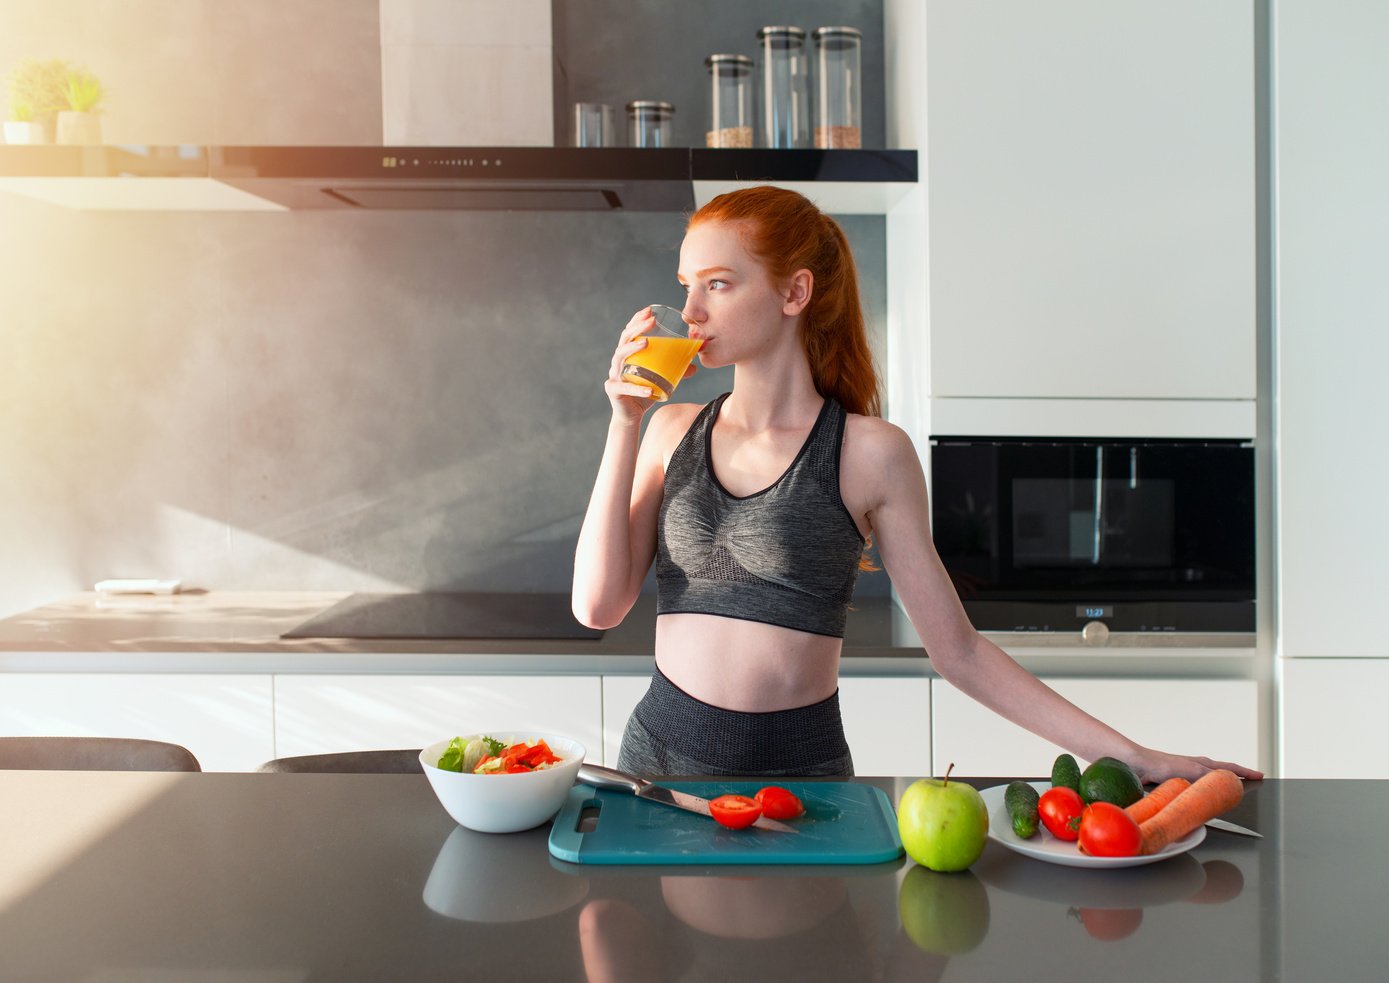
[365, 877]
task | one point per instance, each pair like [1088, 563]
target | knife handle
[600, 777]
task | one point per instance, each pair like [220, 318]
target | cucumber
[1065, 773]
[1020, 799]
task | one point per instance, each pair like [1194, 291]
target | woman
[757, 509]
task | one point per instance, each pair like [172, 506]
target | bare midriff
[746, 665]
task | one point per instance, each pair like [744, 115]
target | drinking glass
[668, 352]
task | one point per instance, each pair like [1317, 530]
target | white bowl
[505, 803]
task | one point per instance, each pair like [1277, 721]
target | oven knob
[1095, 633]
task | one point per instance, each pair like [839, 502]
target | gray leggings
[672, 733]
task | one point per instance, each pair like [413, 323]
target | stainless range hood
[538, 196]
[196, 178]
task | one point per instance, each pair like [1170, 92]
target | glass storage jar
[648, 123]
[785, 95]
[595, 125]
[730, 101]
[838, 85]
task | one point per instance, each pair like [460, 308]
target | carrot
[1152, 803]
[1213, 793]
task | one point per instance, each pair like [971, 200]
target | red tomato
[779, 803]
[1108, 831]
[735, 811]
[1060, 809]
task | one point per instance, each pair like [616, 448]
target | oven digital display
[1094, 611]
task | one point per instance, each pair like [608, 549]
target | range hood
[197, 178]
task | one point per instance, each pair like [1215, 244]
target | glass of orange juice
[668, 352]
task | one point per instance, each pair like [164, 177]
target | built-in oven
[1094, 536]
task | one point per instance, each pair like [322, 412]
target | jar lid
[780, 32]
[837, 32]
[729, 61]
[651, 106]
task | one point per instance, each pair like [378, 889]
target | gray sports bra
[787, 555]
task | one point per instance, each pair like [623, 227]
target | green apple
[947, 914]
[944, 824]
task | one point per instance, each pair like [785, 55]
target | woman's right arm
[618, 539]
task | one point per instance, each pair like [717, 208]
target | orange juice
[661, 364]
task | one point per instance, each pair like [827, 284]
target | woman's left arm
[897, 509]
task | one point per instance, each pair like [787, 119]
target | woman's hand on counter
[1158, 766]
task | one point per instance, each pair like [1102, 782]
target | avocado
[1110, 780]
[1021, 801]
[1065, 773]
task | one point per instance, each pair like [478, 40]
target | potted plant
[80, 121]
[38, 90]
[21, 128]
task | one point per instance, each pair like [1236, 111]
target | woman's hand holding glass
[669, 352]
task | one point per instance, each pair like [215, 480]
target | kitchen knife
[1230, 827]
[609, 778]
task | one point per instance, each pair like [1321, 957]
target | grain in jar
[730, 101]
[838, 87]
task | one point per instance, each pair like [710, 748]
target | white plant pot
[20, 134]
[75, 127]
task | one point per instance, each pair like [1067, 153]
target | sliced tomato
[735, 811]
[1108, 831]
[1060, 809]
[779, 803]
[1109, 924]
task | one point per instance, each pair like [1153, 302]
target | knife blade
[614, 780]
[1230, 827]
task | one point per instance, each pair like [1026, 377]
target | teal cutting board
[843, 823]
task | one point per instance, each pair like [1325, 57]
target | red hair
[785, 232]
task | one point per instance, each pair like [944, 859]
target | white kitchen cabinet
[225, 720]
[1091, 222]
[318, 714]
[1332, 141]
[1218, 718]
[621, 694]
[1332, 724]
[887, 720]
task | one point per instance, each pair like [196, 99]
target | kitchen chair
[93, 754]
[393, 762]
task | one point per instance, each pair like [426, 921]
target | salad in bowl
[502, 782]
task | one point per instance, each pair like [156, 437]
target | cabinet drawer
[322, 714]
[1215, 718]
[888, 723]
[621, 694]
[1331, 726]
[225, 720]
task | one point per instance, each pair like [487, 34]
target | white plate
[1046, 847]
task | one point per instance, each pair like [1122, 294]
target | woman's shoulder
[872, 440]
[670, 422]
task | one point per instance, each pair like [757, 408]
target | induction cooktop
[438, 614]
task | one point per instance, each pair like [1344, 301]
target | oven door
[1052, 535]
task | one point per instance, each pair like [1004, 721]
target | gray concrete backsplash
[331, 400]
[318, 400]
